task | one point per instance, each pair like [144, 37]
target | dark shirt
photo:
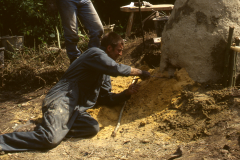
[81, 84]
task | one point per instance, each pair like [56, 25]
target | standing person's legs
[92, 22]
[84, 126]
[68, 11]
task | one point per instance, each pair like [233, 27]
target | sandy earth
[169, 118]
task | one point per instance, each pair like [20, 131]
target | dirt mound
[167, 115]
[195, 115]
[154, 96]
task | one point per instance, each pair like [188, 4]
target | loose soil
[169, 118]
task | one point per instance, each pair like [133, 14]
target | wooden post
[232, 68]
[1, 65]
[140, 12]
[237, 41]
[226, 63]
[129, 25]
[58, 39]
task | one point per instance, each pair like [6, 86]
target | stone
[195, 37]
[145, 141]
[142, 124]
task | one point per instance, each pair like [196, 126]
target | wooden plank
[159, 7]
[129, 25]
[235, 48]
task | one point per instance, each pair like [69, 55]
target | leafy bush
[28, 18]
[30, 69]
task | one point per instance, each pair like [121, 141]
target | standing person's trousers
[69, 11]
[59, 121]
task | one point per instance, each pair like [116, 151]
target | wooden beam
[227, 57]
[129, 25]
[158, 7]
[235, 48]
[237, 41]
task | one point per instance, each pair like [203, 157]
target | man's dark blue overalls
[64, 107]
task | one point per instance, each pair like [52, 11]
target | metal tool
[134, 81]
[119, 120]
[159, 77]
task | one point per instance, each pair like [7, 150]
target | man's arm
[98, 60]
[135, 72]
[106, 97]
[142, 74]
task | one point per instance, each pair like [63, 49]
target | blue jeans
[69, 10]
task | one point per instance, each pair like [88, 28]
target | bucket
[159, 24]
[108, 28]
[12, 43]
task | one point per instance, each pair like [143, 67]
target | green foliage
[29, 68]
[29, 18]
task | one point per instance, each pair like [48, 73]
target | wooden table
[159, 7]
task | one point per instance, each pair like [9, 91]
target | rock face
[195, 37]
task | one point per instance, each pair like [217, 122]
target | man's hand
[132, 89]
[145, 75]
[142, 74]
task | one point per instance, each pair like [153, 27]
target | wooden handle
[135, 80]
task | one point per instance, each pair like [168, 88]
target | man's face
[114, 53]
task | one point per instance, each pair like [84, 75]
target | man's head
[113, 44]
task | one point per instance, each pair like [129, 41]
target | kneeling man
[64, 107]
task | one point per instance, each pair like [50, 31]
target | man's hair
[112, 39]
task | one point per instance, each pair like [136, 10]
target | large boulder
[195, 37]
